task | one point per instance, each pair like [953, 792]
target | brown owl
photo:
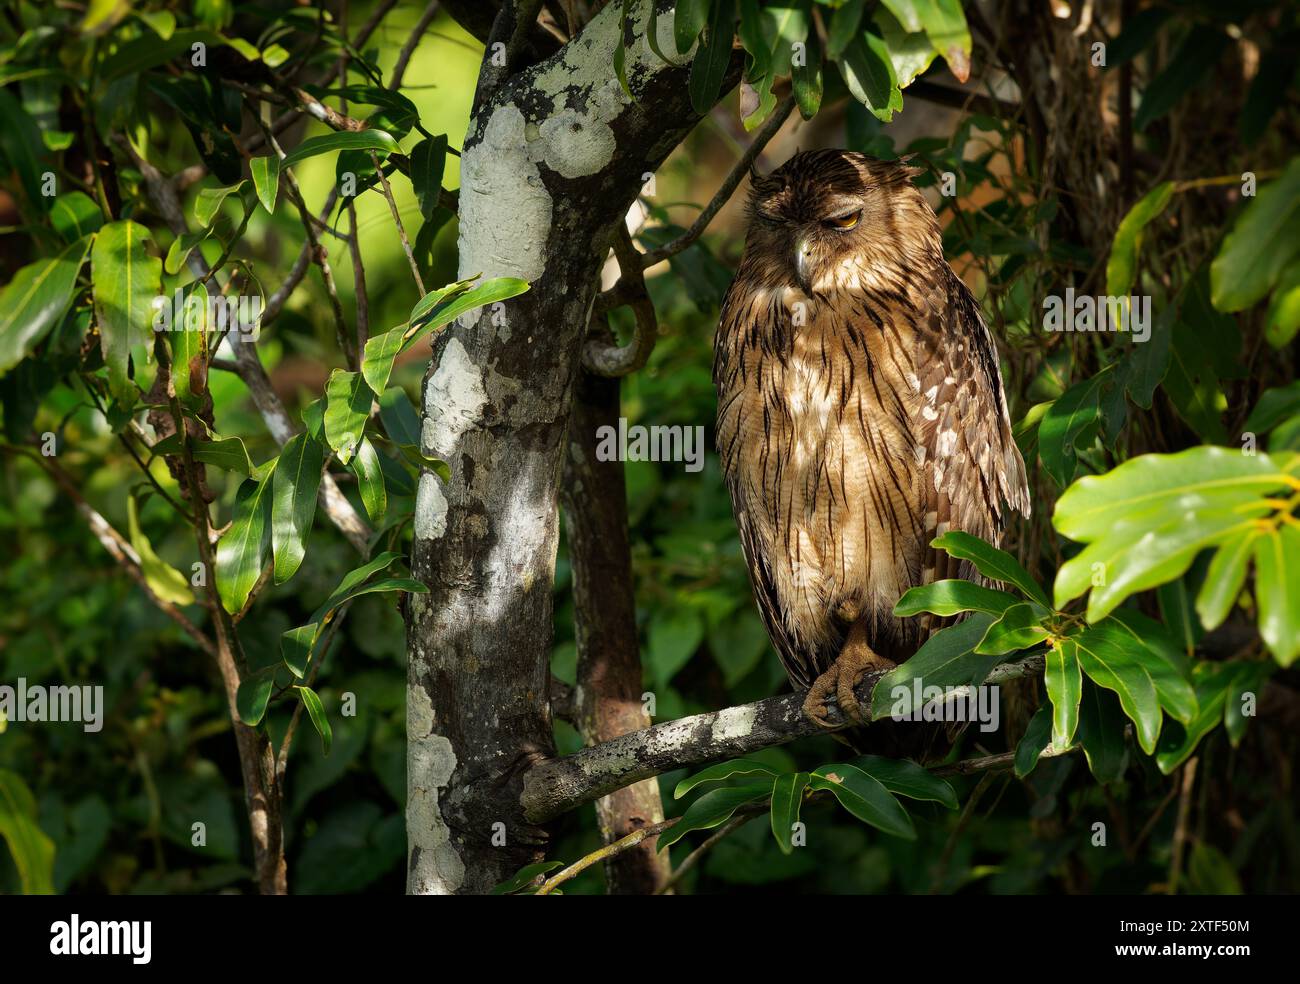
[860, 415]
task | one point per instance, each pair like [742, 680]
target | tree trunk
[609, 665]
[553, 159]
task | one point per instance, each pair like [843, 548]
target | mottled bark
[550, 165]
[609, 665]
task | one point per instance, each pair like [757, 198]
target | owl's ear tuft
[907, 168]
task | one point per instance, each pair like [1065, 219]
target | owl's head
[825, 215]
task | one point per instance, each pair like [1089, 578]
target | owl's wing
[799, 664]
[971, 468]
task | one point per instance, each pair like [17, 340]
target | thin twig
[697, 855]
[725, 191]
[609, 850]
[397, 220]
[412, 42]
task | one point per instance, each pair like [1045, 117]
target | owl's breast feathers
[854, 427]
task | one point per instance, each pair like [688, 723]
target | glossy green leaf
[253, 695]
[453, 306]
[126, 281]
[208, 202]
[991, 562]
[241, 553]
[910, 52]
[370, 481]
[297, 646]
[1121, 268]
[689, 18]
[721, 772]
[163, 579]
[866, 798]
[428, 162]
[709, 66]
[1101, 733]
[525, 876]
[347, 408]
[380, 352]
[806, 78]
[953, 595]
[316, 711]
[1277, 591]
[35, 300]
[1264, 240]
[32, 851]
[1110, 659]
[1071, 423]
[904, 778]
[947, 659]
[266, 179]
[1160, 655]
[295, 484]
[74, 215]
[845, 22]
[1064, 681]
[1038, 734]
[869, 74]
[376, 140]
[401, 422]
[713, 809]
[787, 800]
[1224, 579]
[1017, 628]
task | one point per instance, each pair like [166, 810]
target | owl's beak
[803, 264]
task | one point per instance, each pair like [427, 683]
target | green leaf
[228, 453]
[376, 140]
[909, 52]
[869, 74]
[1277, 591]
[689, 18]
[347, 408]
[1195, 56]
[844, 25]
[209, 200]
[126, 280]
[1224, 579]
[31, 850]
[620, 51]
[1017, 628]
[947, 659]
[297, 646]
[866, 798]
[1121, 268]
[1145, 521]
[380, 353]
[428, 161]
[1101, 733]
[1274, 406]
[253, 695]
[401, 422]
[179, 251]
[806, 79]
[709, 66]
[296, 481]
[75, 215]
[1070, 422]
[953, 595]
[945, 23]
[1064, 682]
[721, 772]
[713, 809]
[991, 562]
[370, 481]
[163, 579]
[1037, 736]
[35, 301]
[904, 778]
[1110, 660]
[427, 317]
[1264, 240]
[1282, 321]
[316, 711]
[266, 179]
[525, 876]
[241, 554]
[787, 799]
[1160, 655]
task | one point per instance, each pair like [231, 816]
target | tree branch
[727, 188]
[555, 786]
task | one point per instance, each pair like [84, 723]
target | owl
[860, 415]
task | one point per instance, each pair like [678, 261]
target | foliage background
[118, 805]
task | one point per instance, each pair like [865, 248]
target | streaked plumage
[860, 407]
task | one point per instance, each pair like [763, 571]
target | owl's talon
[816, 703]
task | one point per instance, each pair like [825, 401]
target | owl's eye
[843, 221]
